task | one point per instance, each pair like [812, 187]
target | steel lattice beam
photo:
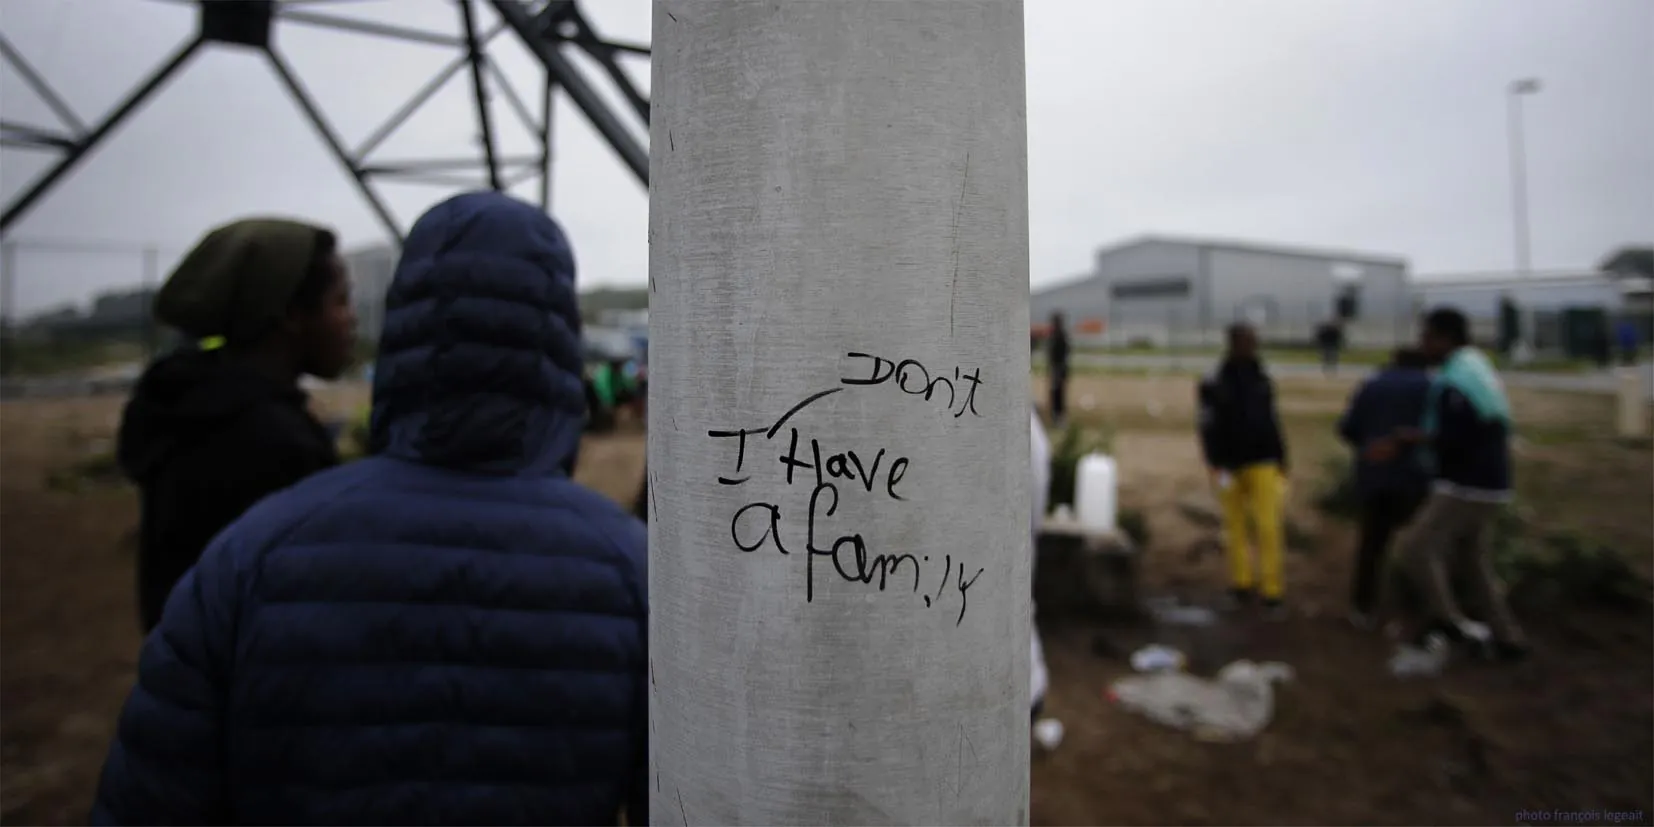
[547, 29]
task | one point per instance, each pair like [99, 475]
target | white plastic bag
[1420, 661]
[1235, 706]
[1156, 658]
[1040, 680]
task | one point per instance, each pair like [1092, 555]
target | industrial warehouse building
[1562, 311]
[371, 269]
[1185, 291]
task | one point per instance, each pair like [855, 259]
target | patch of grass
[100, 469]
[30, 358]
[1038, 369]
[1547, 570]
[1135, 524]
[1559, 366]
[1571, 434]
[1544, 569]
[1297, 538]
[1335, 494]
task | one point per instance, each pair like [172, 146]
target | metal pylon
[548, 28]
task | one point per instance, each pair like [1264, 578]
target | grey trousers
[1446, 545]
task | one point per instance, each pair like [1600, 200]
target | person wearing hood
[220, 423]
[449, 631]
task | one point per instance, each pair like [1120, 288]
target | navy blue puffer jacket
[450, 632]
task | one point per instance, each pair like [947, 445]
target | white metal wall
[371, 269]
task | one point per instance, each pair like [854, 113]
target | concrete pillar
[838, 445]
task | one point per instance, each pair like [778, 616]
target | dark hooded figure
[450, 631]
[214, 427]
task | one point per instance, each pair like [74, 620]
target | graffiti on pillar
[914, 379]
[829, 544]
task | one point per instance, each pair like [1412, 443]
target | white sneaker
[1475, 632]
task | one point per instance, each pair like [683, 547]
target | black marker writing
[771, 532]
[964, 586]
[914, 379]
[880, 566]
[844, 466]
[759, 523]
[740, 451]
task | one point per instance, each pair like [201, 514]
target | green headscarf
[239, 279]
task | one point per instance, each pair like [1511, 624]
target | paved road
[1586, 382]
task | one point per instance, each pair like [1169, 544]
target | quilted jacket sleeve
[633, 540]
[166, 765]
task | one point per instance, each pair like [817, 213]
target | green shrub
[1337, 495]
[1135, 524]
[1072, 443]
[1297, 538]
[98, 469]
[1550, 569]
[1561, 567]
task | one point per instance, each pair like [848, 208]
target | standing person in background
[1391, 490]
[1330, 338]
[1626, 333]
[1056, 363]
[451, 631]
[218, 424]
[1240, 436]
[1602, 347]
[1465, 438]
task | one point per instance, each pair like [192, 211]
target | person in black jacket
[1391, 490]
[216, 425]
[1056, 359]
[1329, 337]
[1240, 435]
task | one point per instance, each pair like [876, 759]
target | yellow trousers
[1254, 495]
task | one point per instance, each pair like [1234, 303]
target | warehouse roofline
[1349, 256]
[1063, 281]
[1485, 278]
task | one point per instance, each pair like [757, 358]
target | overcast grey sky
[1377, 125]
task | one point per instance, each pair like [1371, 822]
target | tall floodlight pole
[839, 562]
[1519, 194]
[8, 307]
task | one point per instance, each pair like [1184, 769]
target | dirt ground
[1571, 730]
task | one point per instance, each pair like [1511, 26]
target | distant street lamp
[1519, 196]
[1519, 172]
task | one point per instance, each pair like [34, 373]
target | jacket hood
[479, 359]
[185, 397]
